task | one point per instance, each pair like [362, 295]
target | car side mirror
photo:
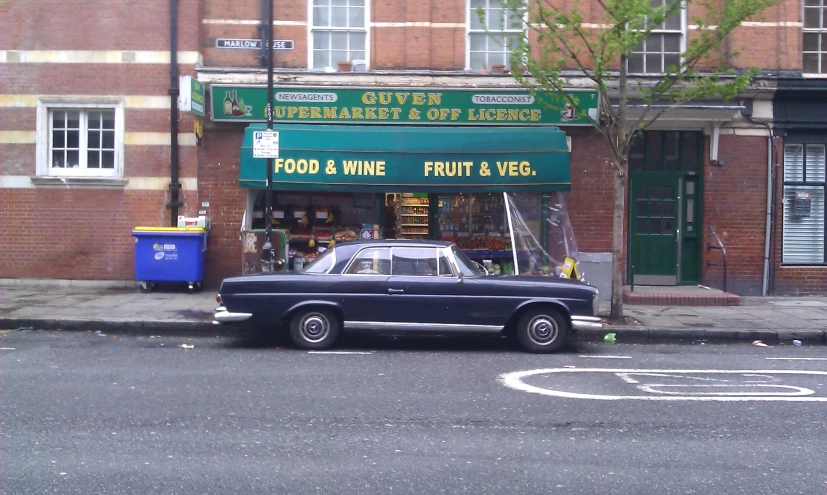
[459, 278]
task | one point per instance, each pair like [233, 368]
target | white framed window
[338, 32]
[491, 39]
[79, 139]
[804, 186]
[663, 47]
[814, 45]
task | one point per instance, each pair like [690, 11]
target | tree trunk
[618, 236]
[620, 156]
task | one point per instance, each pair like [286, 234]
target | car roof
[396, 242]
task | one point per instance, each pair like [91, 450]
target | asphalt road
[84, 413]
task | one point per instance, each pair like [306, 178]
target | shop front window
[338, 33]
[492, 37]
[79, 141]
[804, 186]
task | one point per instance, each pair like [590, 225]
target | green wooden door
[654, 228]
[665, 208]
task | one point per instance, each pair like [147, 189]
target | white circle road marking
[514, 380]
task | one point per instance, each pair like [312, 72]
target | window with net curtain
[491, 39]
[804, 184]
[339, 32]
[662, 48]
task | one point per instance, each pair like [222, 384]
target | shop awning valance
[378, 159]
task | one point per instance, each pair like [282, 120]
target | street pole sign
[248, 44]
[266, 144]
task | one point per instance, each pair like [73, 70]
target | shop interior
[481, 224]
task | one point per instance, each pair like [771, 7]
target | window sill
[81, 182]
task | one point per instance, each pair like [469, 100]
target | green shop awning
[427, 159]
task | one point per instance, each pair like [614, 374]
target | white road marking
[6, 348]
[605, 357]
[340, 352]
[798, 359]
[514, 381]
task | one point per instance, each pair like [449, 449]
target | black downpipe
[174, 91]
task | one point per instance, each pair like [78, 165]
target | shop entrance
[341, 183]
[664, 208]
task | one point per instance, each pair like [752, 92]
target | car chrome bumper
[224, 316]
[586, 323]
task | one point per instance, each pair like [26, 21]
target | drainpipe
[174, 91]
[767, 237]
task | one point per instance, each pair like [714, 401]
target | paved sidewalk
[84, 305]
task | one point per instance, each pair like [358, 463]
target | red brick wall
[219, 158]
[97, 25]
[592, 190]
[735, 197]
[75, 233]
[439, 47]
[79, 233]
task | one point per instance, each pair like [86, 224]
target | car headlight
[596, 302]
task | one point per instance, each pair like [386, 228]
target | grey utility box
[596, 268]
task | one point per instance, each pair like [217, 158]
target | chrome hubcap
[542, 330]
[314, 327]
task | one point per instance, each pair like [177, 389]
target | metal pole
[511, 233]
[267, 249]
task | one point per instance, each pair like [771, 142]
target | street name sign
[247, 44]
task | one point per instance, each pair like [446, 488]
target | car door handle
[395, 291]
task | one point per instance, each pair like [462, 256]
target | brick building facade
[109, 64]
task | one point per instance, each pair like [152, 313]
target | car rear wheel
[314, 328]
[542, 330]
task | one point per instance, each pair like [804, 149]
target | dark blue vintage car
[413, 286]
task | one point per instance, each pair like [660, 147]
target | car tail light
[218, 298]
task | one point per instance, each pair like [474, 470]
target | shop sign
[191, 97]
[371, 158]
[400, 106]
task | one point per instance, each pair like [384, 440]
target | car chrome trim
[223, 316]
[446, 327]
[586, 323]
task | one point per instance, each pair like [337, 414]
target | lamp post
[268, 261]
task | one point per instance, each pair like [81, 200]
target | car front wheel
[542, 330]
[314, 328]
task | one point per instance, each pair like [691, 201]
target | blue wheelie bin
[169, 255]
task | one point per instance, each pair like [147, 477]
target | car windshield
[466, 266]
[322, 264]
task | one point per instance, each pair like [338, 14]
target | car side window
[414, 262]
[443, 265]
[371, 261]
